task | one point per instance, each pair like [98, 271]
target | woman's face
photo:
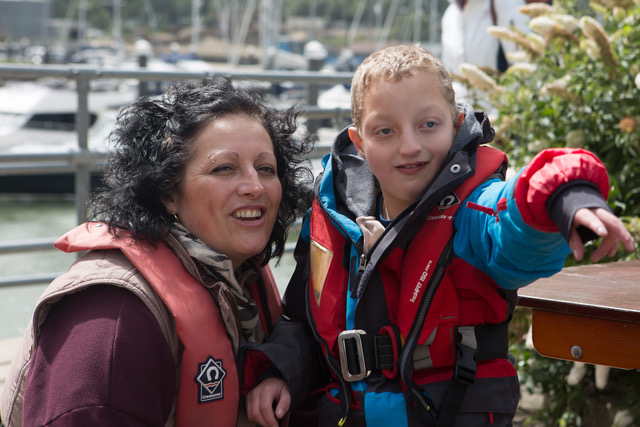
[230, 193]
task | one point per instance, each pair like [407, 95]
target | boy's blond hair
[392, 64]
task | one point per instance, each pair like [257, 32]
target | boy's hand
[605, 225]
[260, 402]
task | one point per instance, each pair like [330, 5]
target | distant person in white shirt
[465, 38]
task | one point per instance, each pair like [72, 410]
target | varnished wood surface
[610, 290]
[594, 310]
[600, 341]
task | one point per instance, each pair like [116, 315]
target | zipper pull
[362, 264]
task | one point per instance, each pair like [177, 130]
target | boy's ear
[355, 138]
[458, 123]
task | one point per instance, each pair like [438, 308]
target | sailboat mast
[417, 21]
[195, 25]
[117, 25]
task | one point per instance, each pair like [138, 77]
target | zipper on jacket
[416, 329]
[362, 264]
[345, 390]
[411, 341]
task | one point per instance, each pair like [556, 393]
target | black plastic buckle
[466, 367]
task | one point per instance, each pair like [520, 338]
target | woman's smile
[248, 214]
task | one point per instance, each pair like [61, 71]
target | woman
[146, 327]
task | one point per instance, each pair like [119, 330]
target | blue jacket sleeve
[492, 236]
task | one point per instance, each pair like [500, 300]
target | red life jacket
[393, 293]
[208, 393]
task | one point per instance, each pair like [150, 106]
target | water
[29, 219]
[22, 219]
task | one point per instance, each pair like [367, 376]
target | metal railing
[84, 161]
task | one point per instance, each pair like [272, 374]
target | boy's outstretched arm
[571, 186]
[560, 190]
[268, 402]
[605, 225]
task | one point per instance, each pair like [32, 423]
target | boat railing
[82, 162]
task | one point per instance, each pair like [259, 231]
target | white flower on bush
[568, 22]
[545, 26]
[537, 41]
[592, 49]
[479, 79]
[517, 56]
[559, 88]
[530, 46]
[522, 68]
[637, 80]
[592, 29]
[560, 84]
[536, 9]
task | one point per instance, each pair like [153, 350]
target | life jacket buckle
[351, 350]
[465, 367]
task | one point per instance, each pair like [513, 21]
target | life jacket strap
[361, 353]
[474, 343]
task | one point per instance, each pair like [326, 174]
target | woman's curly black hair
[153, 141]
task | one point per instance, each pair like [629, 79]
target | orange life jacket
[208, 393]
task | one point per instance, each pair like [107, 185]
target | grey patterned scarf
[220, 269]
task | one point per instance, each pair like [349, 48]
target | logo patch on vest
[449, 201]
[209, 380]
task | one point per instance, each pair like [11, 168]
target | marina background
[27, 218]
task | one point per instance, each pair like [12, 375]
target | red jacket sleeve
[547, 172]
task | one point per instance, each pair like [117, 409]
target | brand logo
[423, 278]
[449, 201]
[209, 380]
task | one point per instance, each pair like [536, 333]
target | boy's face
[406, 133]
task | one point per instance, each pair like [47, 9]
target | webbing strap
[453, 401]
[483, 342]
[360, 353]
[490, 341]
[464, 375]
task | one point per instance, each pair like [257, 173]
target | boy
[412, 253]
